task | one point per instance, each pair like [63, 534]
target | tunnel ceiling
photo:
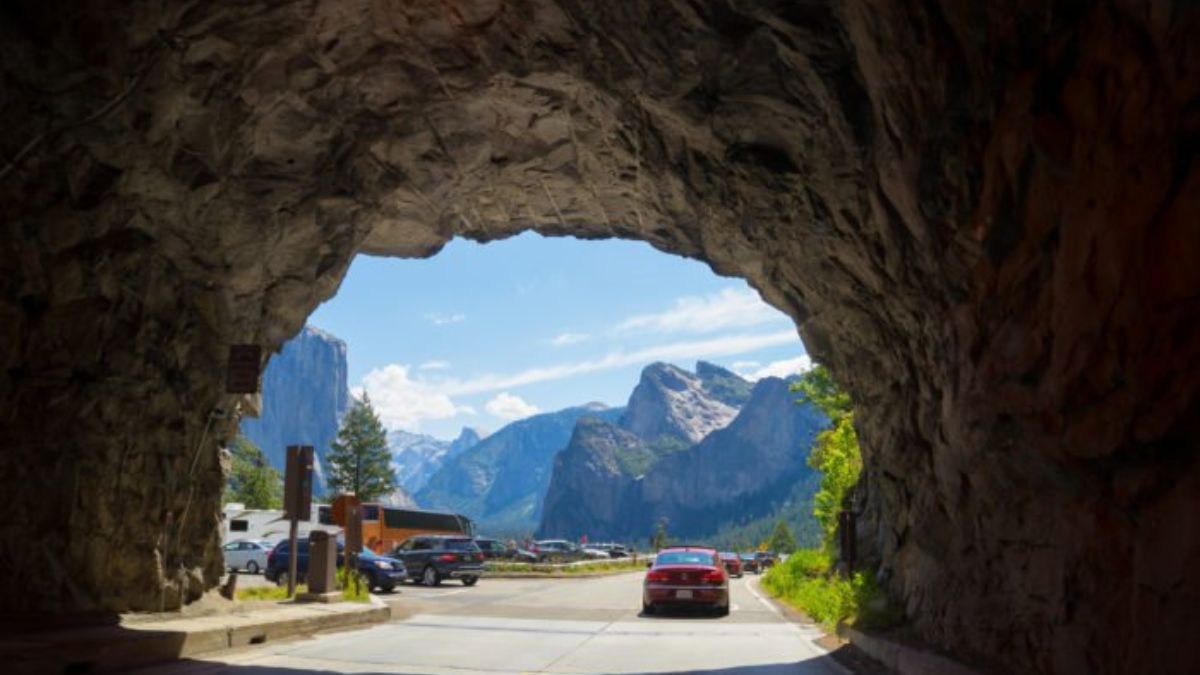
[982, 216]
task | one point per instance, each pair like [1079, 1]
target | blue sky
[483, 334]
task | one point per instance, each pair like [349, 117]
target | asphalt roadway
[502, 626]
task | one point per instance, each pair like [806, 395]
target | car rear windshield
[684, 558]
[460, 545]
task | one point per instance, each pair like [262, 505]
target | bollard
[322, 562]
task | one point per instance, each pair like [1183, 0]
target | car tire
[723, 610]
[387, 588]
[469, 581]
[281, 578]
[649, 610]
[252, 567]
[372, 582]
[430, 577]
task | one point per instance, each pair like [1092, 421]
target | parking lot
[589, 625]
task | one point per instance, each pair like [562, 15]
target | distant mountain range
[501, 481]
[417, 457]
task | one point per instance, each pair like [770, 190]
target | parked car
[381, 572]
[613, 550]
[557, 550]
[434, 557]
[766, 559]
[686, 576]
[594, 553]
[494, 550]
[246, 554]
[733, 563]
[749, 562]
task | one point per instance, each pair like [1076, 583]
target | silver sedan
[248, 555]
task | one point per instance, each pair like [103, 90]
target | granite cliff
[304, 393]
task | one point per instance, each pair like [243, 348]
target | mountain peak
[672, 406]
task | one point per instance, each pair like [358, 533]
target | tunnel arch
[983, 220]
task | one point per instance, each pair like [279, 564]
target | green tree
[252, 479]
[659, 539]
[835, 453]
[781, 539]
[359, 461]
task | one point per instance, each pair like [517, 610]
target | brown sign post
[297, 501]
[354, 538]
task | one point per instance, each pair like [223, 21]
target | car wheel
[430, 577]
[723, 610]
[281, 579]
[372, 582]
[252, 567]
[648, 610]
[387, 588]
[469, 581]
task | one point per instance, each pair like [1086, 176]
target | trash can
[322, 562]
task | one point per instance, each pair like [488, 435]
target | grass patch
[267, 592]
[351, 592]
[805, 581]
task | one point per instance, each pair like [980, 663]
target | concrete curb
[123, 647]
[904, 659]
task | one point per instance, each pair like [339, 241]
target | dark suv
[433, 557]
[380, 572]
[494, 550]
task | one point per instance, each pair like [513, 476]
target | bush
[806, 582]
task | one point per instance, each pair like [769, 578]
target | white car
[596, 553]
[246, 554]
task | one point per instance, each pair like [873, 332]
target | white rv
[238, 522]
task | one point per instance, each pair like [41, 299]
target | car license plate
[683, 595]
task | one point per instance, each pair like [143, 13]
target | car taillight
[447, 557]
[655, 575]
[270, 557]
[714, 577]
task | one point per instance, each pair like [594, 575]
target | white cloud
[439, 319]
[676, 351]
[402, 402]
[509, 407]
[434, 365]
[729, 308]
[743, 366]
[564, 339]
[784, 368]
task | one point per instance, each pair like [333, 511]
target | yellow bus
[385, 527]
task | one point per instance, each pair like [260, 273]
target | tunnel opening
[993, 212]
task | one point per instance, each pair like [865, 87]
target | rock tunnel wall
[983, 217]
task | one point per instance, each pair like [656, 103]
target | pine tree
[252, 480]
[781, 540]
[359, 461]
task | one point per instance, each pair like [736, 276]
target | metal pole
[292, 554]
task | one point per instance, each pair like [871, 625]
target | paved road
[506, 626]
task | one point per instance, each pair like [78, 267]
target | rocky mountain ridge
[612, 482]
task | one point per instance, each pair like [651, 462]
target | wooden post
[297, 502]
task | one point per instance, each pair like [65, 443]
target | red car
[686, 577]
[733, 564]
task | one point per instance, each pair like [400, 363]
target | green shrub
[353, 585]
[806, 582]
